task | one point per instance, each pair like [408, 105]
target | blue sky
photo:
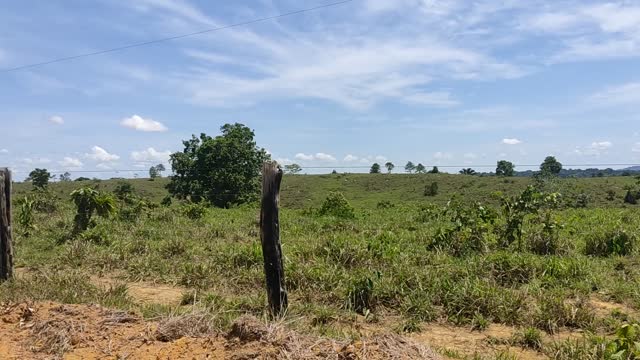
[438, 82]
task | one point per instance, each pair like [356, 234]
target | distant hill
[633, 168]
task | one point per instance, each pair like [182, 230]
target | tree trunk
[270, 238]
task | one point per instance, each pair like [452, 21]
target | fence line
[6, 246]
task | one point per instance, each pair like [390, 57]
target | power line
[150, 42]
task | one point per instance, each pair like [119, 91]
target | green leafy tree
[389, 165]
[420, 169]
[65, 177]
[467, 171]
[292, 169]
[375, 169]
[505, 168]
[39, 178]
[550, 166]
[123, 190]
[224, 170]
[89, 201]
[410, 167]
[153, 173]
[435, 170]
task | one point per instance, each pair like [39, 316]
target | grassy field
[404, 262]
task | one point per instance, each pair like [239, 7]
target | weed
[610, 242]
[337, 205]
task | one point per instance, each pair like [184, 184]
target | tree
[292, 169]
[420, 169]
[224, 170]
[389, 165]
[409, 167]
[550, 166]
[375, 169]
[505, 168]
[153, 173]
[467, 171]
[39, 178]
[65, 177]
[156, 171]
[435, 170]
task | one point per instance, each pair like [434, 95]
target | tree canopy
[292, 169]
[550, 166]
[505, 168]
[224, 170]
[39, 178]
[420, 169]
[409, 167]
[375, 169]
[389, 165]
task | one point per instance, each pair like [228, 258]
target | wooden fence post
[270, 238]
[6, 249]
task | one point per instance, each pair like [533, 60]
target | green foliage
[389, 165]
[545, 240]
[431, 189]
[224, 170]
[467, 171]
[630, 198]
[505, 168]
[88, 201]
[531, 338]
[65, 177]
[336, 204]
[124, 190]
[26, 207]
[292, 169]
[44, 200]
[39, 178]
[420, 169]
[385, 204]
[550, 166]
[360, 296]
[166, 201]
[610, 242]
[375, 169]
[434, 170]
[626, 346]
[409, 167]
[195, 211]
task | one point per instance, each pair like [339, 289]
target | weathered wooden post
[270, 238]
[6, 249]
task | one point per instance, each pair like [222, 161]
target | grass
[397, 257]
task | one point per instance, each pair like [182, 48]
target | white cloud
[618, 95]
[102, 155]
[138, 123]
[151, 155]
[284, 161]
[436, 99]
[303, 156]
[56, 120]
[324, 157]
[636, 147]
[381, 158]
[70, 163]
[551, 22]
[442, 155]
[350, 158]
[4, 151]
[470, 156]
[511, 141]
[601, 145]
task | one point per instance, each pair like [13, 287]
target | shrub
[166, 201]
[25, 214]
[530, 337]
[195, 211]
[546, 240]
[626, 345]
[360, 297]
[44, 201]
[581, 201]
[385, 204]
[613, 242]
[123, 190]
[611, 195]
[630, 198]
[431, 190]
[337, 205]
[88, 201]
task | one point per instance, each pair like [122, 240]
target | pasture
[450, 268]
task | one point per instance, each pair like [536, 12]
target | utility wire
[150, 42]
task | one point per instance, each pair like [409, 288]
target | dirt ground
[54, 331]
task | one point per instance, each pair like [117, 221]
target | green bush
[195, 211]
[612, 242]
[431, 190]
[337, 205]
[360, 297]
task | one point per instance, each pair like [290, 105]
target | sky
[447, 83]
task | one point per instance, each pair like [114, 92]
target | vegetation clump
[336, 204]
[610, 242]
